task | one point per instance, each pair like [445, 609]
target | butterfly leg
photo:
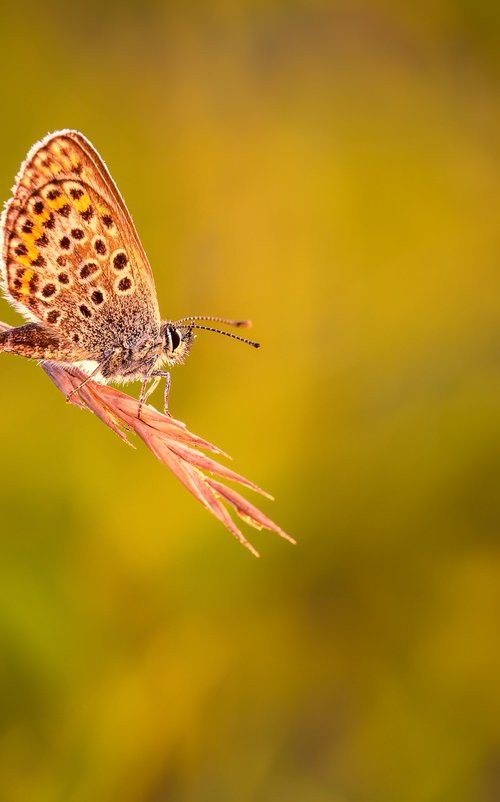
[159, 374]
[149, 391]
[145, 390]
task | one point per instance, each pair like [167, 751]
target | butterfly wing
[71, 257]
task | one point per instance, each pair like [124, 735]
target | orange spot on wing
[31, 252]
[57, 203]
[83, 203]
[25, 261]
[43, 216]
[25, 286]
[36, 232]
[29, 237]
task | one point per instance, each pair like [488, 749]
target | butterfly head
[179, 336]
[178, 340]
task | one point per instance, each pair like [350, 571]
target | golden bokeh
[331, 170]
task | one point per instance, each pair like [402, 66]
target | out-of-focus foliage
[330, 170]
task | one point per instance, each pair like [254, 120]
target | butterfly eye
[175, 337]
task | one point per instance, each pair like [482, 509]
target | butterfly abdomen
[35, 342]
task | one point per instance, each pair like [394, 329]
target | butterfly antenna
[238, 324]
[225, 333]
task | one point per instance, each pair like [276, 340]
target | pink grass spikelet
[172, 443]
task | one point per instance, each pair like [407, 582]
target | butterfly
[73, 265]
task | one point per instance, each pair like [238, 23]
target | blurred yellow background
[332, 171]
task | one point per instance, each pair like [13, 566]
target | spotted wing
[71, 257]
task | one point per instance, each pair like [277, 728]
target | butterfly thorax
[124, 363]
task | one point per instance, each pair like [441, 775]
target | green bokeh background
[332, 171]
